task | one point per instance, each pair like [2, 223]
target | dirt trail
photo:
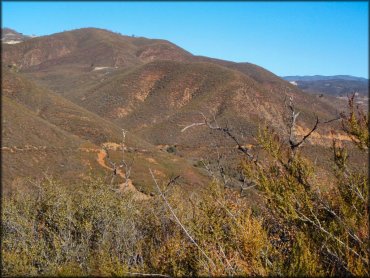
[129, 187]
[101, 155]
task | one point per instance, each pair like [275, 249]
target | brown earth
[82, 87]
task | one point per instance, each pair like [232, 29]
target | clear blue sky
[287, 38]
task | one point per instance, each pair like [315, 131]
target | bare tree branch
[191, 125]
[225, 130]
[147, 274]
[171, 181]
[127, 166]
[296, 145]
[123, 161]
[178, 220]
[293, 119]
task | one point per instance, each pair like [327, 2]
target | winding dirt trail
[129, 187]
[101, 155]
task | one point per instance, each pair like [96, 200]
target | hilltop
[10, 36]
[89, 48]
[91, 83]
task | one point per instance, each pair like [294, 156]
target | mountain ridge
[323, 77]
[10, 36]
[336, 85]
[153, 89]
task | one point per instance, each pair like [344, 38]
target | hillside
[43, 130]
[91, 83]
[89, 48]
[159, 98]
[126, 156]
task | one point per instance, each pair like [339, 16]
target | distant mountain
[10, 36]
[336, 85]
[323, 77]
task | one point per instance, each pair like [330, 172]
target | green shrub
[329, 230]
[92, 229]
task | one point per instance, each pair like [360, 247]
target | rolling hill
[83, 86]
[89, 48]
[45, 133]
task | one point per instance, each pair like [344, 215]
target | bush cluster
[92, 229]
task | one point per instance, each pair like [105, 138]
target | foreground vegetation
[328, 219]
[93, 230]
[298, 229]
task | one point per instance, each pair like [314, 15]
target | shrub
[329, 230]
[92, 229]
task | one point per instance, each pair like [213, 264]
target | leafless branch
[123, 164]
[294, 144]
[318, 225]
[227, 261]
[146, 274]
[191, 125]
[178, 220]
[123, 161]
[332, 120]
[171, 181]
[225, 130]
[246, 185]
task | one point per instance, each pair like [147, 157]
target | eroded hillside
[90, 83]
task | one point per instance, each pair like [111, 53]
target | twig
[293, 118]
[123, 163]
[224, 130]
[304, 218]
[147, 274]
[191, 125]
[178, 221]
[172, 180]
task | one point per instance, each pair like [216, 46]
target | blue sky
[287, 38]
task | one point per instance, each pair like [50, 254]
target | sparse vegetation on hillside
[284, 200]
[297, 229]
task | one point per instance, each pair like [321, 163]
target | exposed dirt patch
[121, 112]
[147, 82]
[112, 146]
[324, 139]
[124, 187]
[151, 160]
[101, 155]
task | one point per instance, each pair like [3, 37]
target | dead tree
[123, 163]
[294, 144]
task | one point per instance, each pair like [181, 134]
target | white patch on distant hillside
[294, 83]
[101, 68]
[11, 42]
